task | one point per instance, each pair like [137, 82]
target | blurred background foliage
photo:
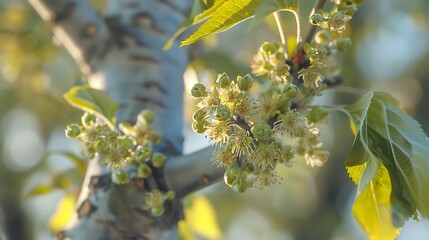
[390, 53]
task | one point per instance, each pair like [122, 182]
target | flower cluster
[155, 199]
[252, 134]
[132, 146]
[270, 60]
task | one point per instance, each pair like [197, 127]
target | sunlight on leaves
[94, 101]
[200, 219]
[389, 138]
[269, 6]
[63, 214]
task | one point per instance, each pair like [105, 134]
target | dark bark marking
[99, 182]
[170, 6]
[154, 86]
[65, 13]
[138, 183]
[143, 59]
[143, 20]
[60, 235]
[90, 30]
[205, 180]
[149, 101]
[85, 209]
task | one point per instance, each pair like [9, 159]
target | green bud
[323, 37]
[158, 160]
[242, 184]
[199, 115]
[170, 195]
[316, 19]
[198, 90]
[199, 127]
[269, 48]
[223, 113]
[157, 211]
[120, 176]
[344, 44]
[88, 119]
[231, 175]
[349, 8]
[142, 154]
[126, 142]
[102, 147]
[290, 91]
[261, 131]
[147, 115]
[72, 130]
[244, 83]
[223, 80]
[144, 171]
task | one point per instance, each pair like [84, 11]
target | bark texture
[122, 54]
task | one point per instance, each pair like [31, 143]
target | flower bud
[323, 37]
[72, 130]
[88, 119]
[231, 175]
[126, 142]
[158, 160]
[223, 80]
[223, 113]
[316, 19]
[142, 154]
[120, 176]
[198, 90]
[157, 211]
[261, 131]
[199, 115]
[199, 127]
[290, 90]
[269, 48]
[144, 171]
[147, 115]
[170, 195]
[244, 83]
[344, 44]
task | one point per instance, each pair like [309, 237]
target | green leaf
[388, 137]
[269, 6]
[228, 14]
[93, 101]
[196, 9]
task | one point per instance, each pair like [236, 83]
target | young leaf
[93, 101]
[372, 204]
[390, 138]
[269, 6]
[230, 13]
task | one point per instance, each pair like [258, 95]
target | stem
[298, 28]
[281, 33]
[310, 33]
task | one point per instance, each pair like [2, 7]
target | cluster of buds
[251, 134]
[155, 199]
[270, 60]
[132, 146]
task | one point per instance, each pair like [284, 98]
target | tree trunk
[122, 54]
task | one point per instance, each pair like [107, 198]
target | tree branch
[77, 27]
[188, 173]
[319, 4]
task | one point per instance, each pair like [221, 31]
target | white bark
[122, 54]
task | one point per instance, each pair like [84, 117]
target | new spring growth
[198, 90]
[155, 199]
[244, 83]
[223, 81]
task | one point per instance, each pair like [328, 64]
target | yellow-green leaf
[372, 207]
[94, 101]
[63, 214]
[200, 218]
[228, 14]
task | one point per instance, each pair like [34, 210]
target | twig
[310, 33]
